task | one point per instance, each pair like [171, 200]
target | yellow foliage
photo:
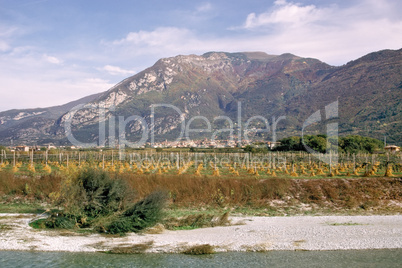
[54, 196]
[388, 172]
[320, 172]
[47, 169]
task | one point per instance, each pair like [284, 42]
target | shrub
[60, 221]
[141, 215]
[93, 199]
[93, 193]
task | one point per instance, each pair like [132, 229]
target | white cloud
[52, 59]
[115, 70]
[8, 31]
[158, 37]
[4, 46]
[6, 34]
[40, 93]
[54, 90]
[287, 13]
[28, 81]
[204, 7]
[161, 42]
[330, 33]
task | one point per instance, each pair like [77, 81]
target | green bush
[60, 221]
[141, 215]
[93, 199]
[93, 193]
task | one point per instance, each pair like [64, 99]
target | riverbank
[245, 234]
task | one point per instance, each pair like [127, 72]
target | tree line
[320, 143]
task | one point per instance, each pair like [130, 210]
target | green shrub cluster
[141, 215]
[93, 199]
[93, 193]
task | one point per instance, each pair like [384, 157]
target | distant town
[165, 144]
[201, 144]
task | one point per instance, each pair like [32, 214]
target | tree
[293, 143]
[355, 143]
[317, 143]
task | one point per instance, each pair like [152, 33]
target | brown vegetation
[191, 191]
[31, 188]
[188, 191]
[200, 250]
[131, 249]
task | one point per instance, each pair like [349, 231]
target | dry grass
[298, 243]
[200, 250]
[132, 249]
[157, 229]
[5, 227]
[262, 247]
[190, 191]
[29, 187]
[345, 224]
[197, 221]
[18, 216]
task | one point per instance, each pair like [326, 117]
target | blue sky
[56, 51]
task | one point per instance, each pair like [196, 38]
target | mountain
[33, 126]
[219, 92]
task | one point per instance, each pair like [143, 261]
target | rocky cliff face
[198, 89]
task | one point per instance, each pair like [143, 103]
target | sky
[56, 51]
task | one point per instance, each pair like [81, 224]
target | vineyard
[242, 165]
[275, 183]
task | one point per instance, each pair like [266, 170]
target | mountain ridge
[213, 84]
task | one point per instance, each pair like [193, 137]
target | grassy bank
[249, 195]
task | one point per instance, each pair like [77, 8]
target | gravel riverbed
[245, 234]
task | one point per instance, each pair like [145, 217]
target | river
[347, 258]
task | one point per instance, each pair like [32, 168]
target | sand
[245, 234]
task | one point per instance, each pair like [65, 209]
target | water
[349, 258]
